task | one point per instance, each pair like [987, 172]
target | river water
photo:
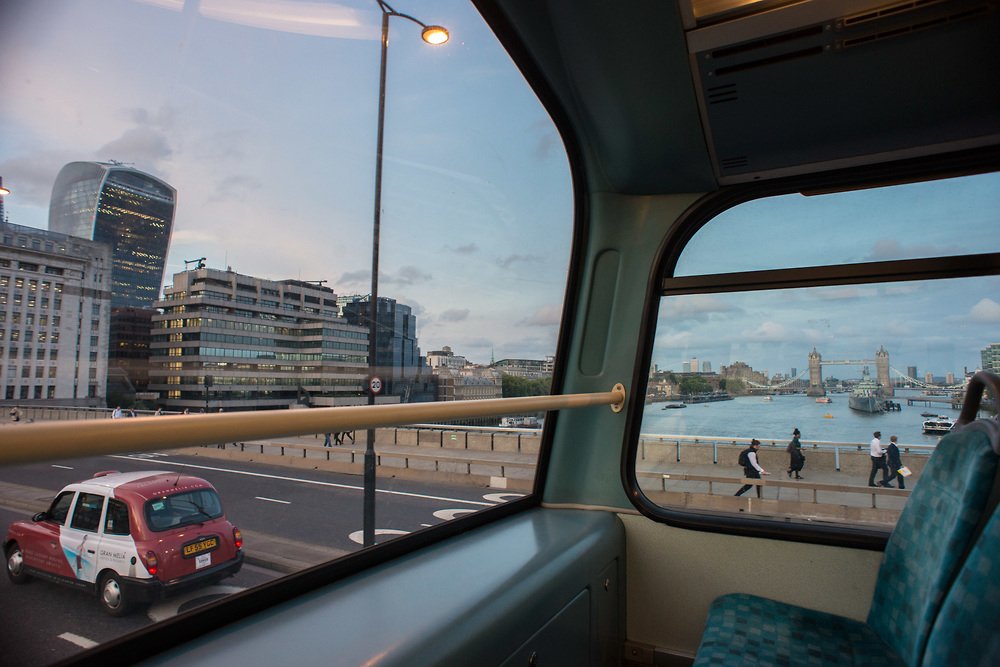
[753, 417]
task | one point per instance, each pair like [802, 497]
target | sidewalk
[268, 551]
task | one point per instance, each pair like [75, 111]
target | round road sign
[375, 384]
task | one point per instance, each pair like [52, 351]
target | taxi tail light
[237, 537]
[150, 562]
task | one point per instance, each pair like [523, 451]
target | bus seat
[967, 630]
[921, 559]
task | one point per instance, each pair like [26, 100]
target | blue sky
[263, 115]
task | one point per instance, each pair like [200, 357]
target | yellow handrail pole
[31, 443]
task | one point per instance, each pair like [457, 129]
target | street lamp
[434, 35]
[3, 193]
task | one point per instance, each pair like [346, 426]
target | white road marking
[273, 500]
[448, 515]
[502, 497]
[82, 642]
[310, 481]
[358, 536]
[62, 467]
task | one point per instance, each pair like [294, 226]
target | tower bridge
[882, 369]
[881, 363]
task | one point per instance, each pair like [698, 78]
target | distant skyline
[262, 114]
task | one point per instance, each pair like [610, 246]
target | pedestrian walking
[796, 458]
[878, 461]
[895, 464]
[751, 469]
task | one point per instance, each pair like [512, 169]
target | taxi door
[117, 548]
[79, 537]
[41, 543]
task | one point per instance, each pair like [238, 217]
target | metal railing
[28, 443]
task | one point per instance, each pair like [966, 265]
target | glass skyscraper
[119, 205]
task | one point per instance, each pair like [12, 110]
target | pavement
[268, 551]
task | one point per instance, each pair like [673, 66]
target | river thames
[753, 417]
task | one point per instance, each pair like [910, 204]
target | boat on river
[673, 406]
[824, 399]
[939, 425]
[867, 396]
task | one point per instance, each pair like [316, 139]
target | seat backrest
[967, 629]
[933, 533]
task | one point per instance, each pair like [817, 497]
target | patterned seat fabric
[921, 559]
[930, 538]
[967, 631]
[746, 629]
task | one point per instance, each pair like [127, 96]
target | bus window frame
[662, 283]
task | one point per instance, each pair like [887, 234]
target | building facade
[55, 300]
[128, 352]
[236, 342]
[530, 369]
[991, 358]
[398, 354]
[126, 208]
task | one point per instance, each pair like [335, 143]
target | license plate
[204, 560]
[198, 547]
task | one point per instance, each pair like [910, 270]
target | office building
[991, 358]
[236, 342]
[530, 369]
[119, 205]
[398, 353]
[54, 306]
[128, 352]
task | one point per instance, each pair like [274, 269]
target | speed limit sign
[375, 384]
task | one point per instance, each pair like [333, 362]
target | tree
[514, 386]
[694, 384]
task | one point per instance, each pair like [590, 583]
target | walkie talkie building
[125, 207]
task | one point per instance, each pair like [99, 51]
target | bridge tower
[882, 371]
[816, 387]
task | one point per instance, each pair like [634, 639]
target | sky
[938, 326]
[263, 115]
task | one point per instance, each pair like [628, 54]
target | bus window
[863, 324]
[245, 141]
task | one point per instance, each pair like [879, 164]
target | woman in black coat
[797, 460]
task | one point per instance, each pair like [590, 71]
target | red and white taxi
[128, 537]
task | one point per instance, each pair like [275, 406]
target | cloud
[467, 249]
[407, 275]
[455, 315]
[694, 307]
[30, 178]
[139, 145]
[543, 317]
[887, 249]
[986, 311]
[505, 262]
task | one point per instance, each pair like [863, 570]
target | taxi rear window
[182, 509]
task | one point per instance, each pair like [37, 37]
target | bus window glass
[820, 367]
[230, 150]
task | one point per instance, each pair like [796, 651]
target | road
[291, 518]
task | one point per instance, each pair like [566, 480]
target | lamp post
[3, 193]
[432, 35]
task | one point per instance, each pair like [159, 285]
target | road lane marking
[358, 536]
[499, 497]
[82, 642]
[274, 500]
[448, 515]
[55, 465]
[311, 481]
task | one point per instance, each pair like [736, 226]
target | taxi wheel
[15, 564]
[112, 595]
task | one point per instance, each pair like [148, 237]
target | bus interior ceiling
[669, 112]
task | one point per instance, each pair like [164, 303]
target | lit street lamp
[3, 193]
[434, 35]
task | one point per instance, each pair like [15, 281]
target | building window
[24, 392]
[51, 392]
[38, 392]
